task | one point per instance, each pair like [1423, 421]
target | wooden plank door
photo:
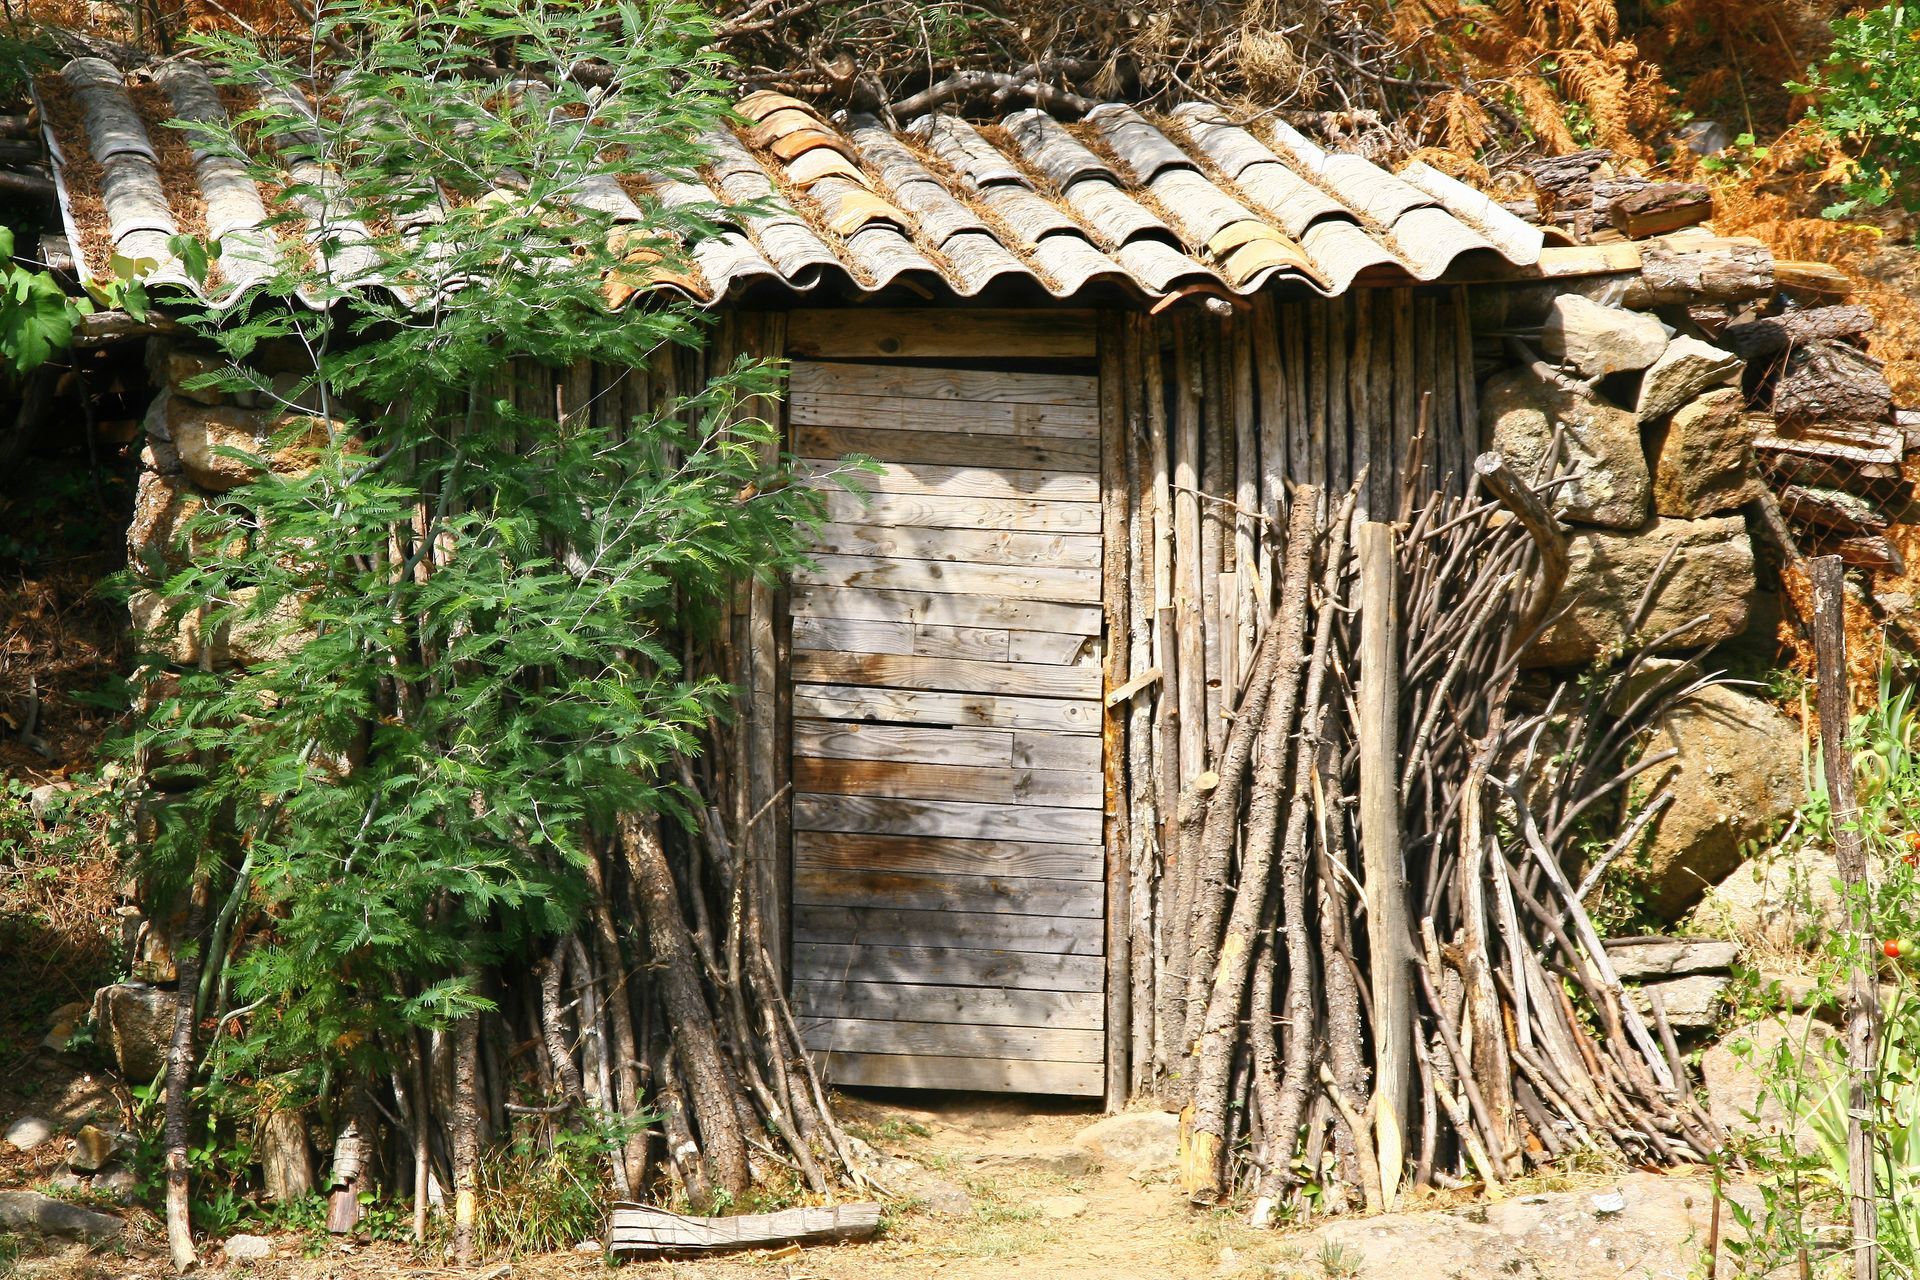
[948, 897]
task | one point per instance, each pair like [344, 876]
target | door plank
[835, 887]
[858, 635]
[940, 333]
[958, 966]
[921, 1002]
[954, 481]
[849, 850]
[943, 609]
[927, 382]
[946, 512]
[881, 573]
[957, 819]
[983, 546]
[912, 413]
[901, 927]
[1072, 788]
[949, 443]
[953, 1040]
[956, 674]
[918, 706]
[898, 1071]
[1049, 646]
[906, 744]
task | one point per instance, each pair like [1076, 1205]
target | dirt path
[1032, 1189]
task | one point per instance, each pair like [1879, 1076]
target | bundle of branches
[1378, 882]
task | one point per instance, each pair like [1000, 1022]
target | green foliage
[1803, 1166]
[36, 315]
[546, 1191]
[23, 57]
[1868, 91]
[473, 608]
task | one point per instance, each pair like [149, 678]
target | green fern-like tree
[464, 595]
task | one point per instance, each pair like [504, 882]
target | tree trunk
[466, 1138]
[1863, 1006]
[286, 1158]
[711, 1091]
[179, 1082]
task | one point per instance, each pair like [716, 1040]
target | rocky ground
[984, 1188]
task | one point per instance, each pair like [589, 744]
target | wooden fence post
[1863, 1005]
[1386, 889]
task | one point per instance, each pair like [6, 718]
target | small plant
[544, 1192]
[1868, 96]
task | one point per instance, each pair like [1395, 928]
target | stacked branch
[1384, 880]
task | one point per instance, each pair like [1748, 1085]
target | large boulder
[1136, 1142]
[1687, 368]
[1521, 412]
[202, 434]
[1703, 457]
[161, 505]
[1736, 779]
[1598, 340]
[135, 1021]
[1742, 1077]
[1780, 902]
[1710, 578]
[31, 1212]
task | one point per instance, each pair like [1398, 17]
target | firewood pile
[1379, 964]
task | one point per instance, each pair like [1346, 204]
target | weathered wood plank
[1074, 1079]
[916, 706]
[938, 480]
[1038, 749]
[916, 854]
[1068, 788]
[922, 1002]
[923, 382]
[646, 1231]
[957, 445]
[892, 415]
[957, 966]
[957, 819]
[961, 675]
[857, 635]
[941, 609]
[905, 744]
[1013, 896]
[981, 546]
[939, 512]
[952, 1040]
[955, 577]
[1050, 646]
[940, 333]
[981, 930]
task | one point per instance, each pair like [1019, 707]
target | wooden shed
[1089, 360]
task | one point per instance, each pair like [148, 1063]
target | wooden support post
[1863, 1005]
[1386, 890]
[1114, 506]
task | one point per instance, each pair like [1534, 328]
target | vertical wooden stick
[1386, 889]
[1113, 576]
[1830, 664]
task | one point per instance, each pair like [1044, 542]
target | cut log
[1827, 380]
[1836, 442]
[1870, 551]
[1833, 509]
[1660, 207]
[1812, 277]
[1758, 339]
[1683, 270]
[646, 1232]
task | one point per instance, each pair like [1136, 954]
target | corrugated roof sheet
[1151, 205]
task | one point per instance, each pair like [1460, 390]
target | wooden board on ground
[646, 1231]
